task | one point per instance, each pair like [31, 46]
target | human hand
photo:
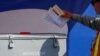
[67, 15]
[62, 13]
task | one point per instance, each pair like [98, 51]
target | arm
[86, 20]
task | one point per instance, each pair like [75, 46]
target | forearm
[88, 21]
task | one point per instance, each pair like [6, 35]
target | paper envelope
[55, 19]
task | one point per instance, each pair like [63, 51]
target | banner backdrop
[75, 6]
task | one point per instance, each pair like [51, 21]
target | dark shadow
[64, 54]
[48, 48]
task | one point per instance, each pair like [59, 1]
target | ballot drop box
[25, 32]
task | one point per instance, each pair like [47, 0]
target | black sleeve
[88, 21]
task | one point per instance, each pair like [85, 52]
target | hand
[67, 15]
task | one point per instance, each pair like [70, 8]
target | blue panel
[71, 5]
[81, 37]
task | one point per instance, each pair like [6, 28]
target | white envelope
[55, 19]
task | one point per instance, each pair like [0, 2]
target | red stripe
[55, 12]
[25, 33]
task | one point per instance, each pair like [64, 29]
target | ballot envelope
[54, 16]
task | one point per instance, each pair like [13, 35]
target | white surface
[32, 48]
[27, 20]
[30, 20]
